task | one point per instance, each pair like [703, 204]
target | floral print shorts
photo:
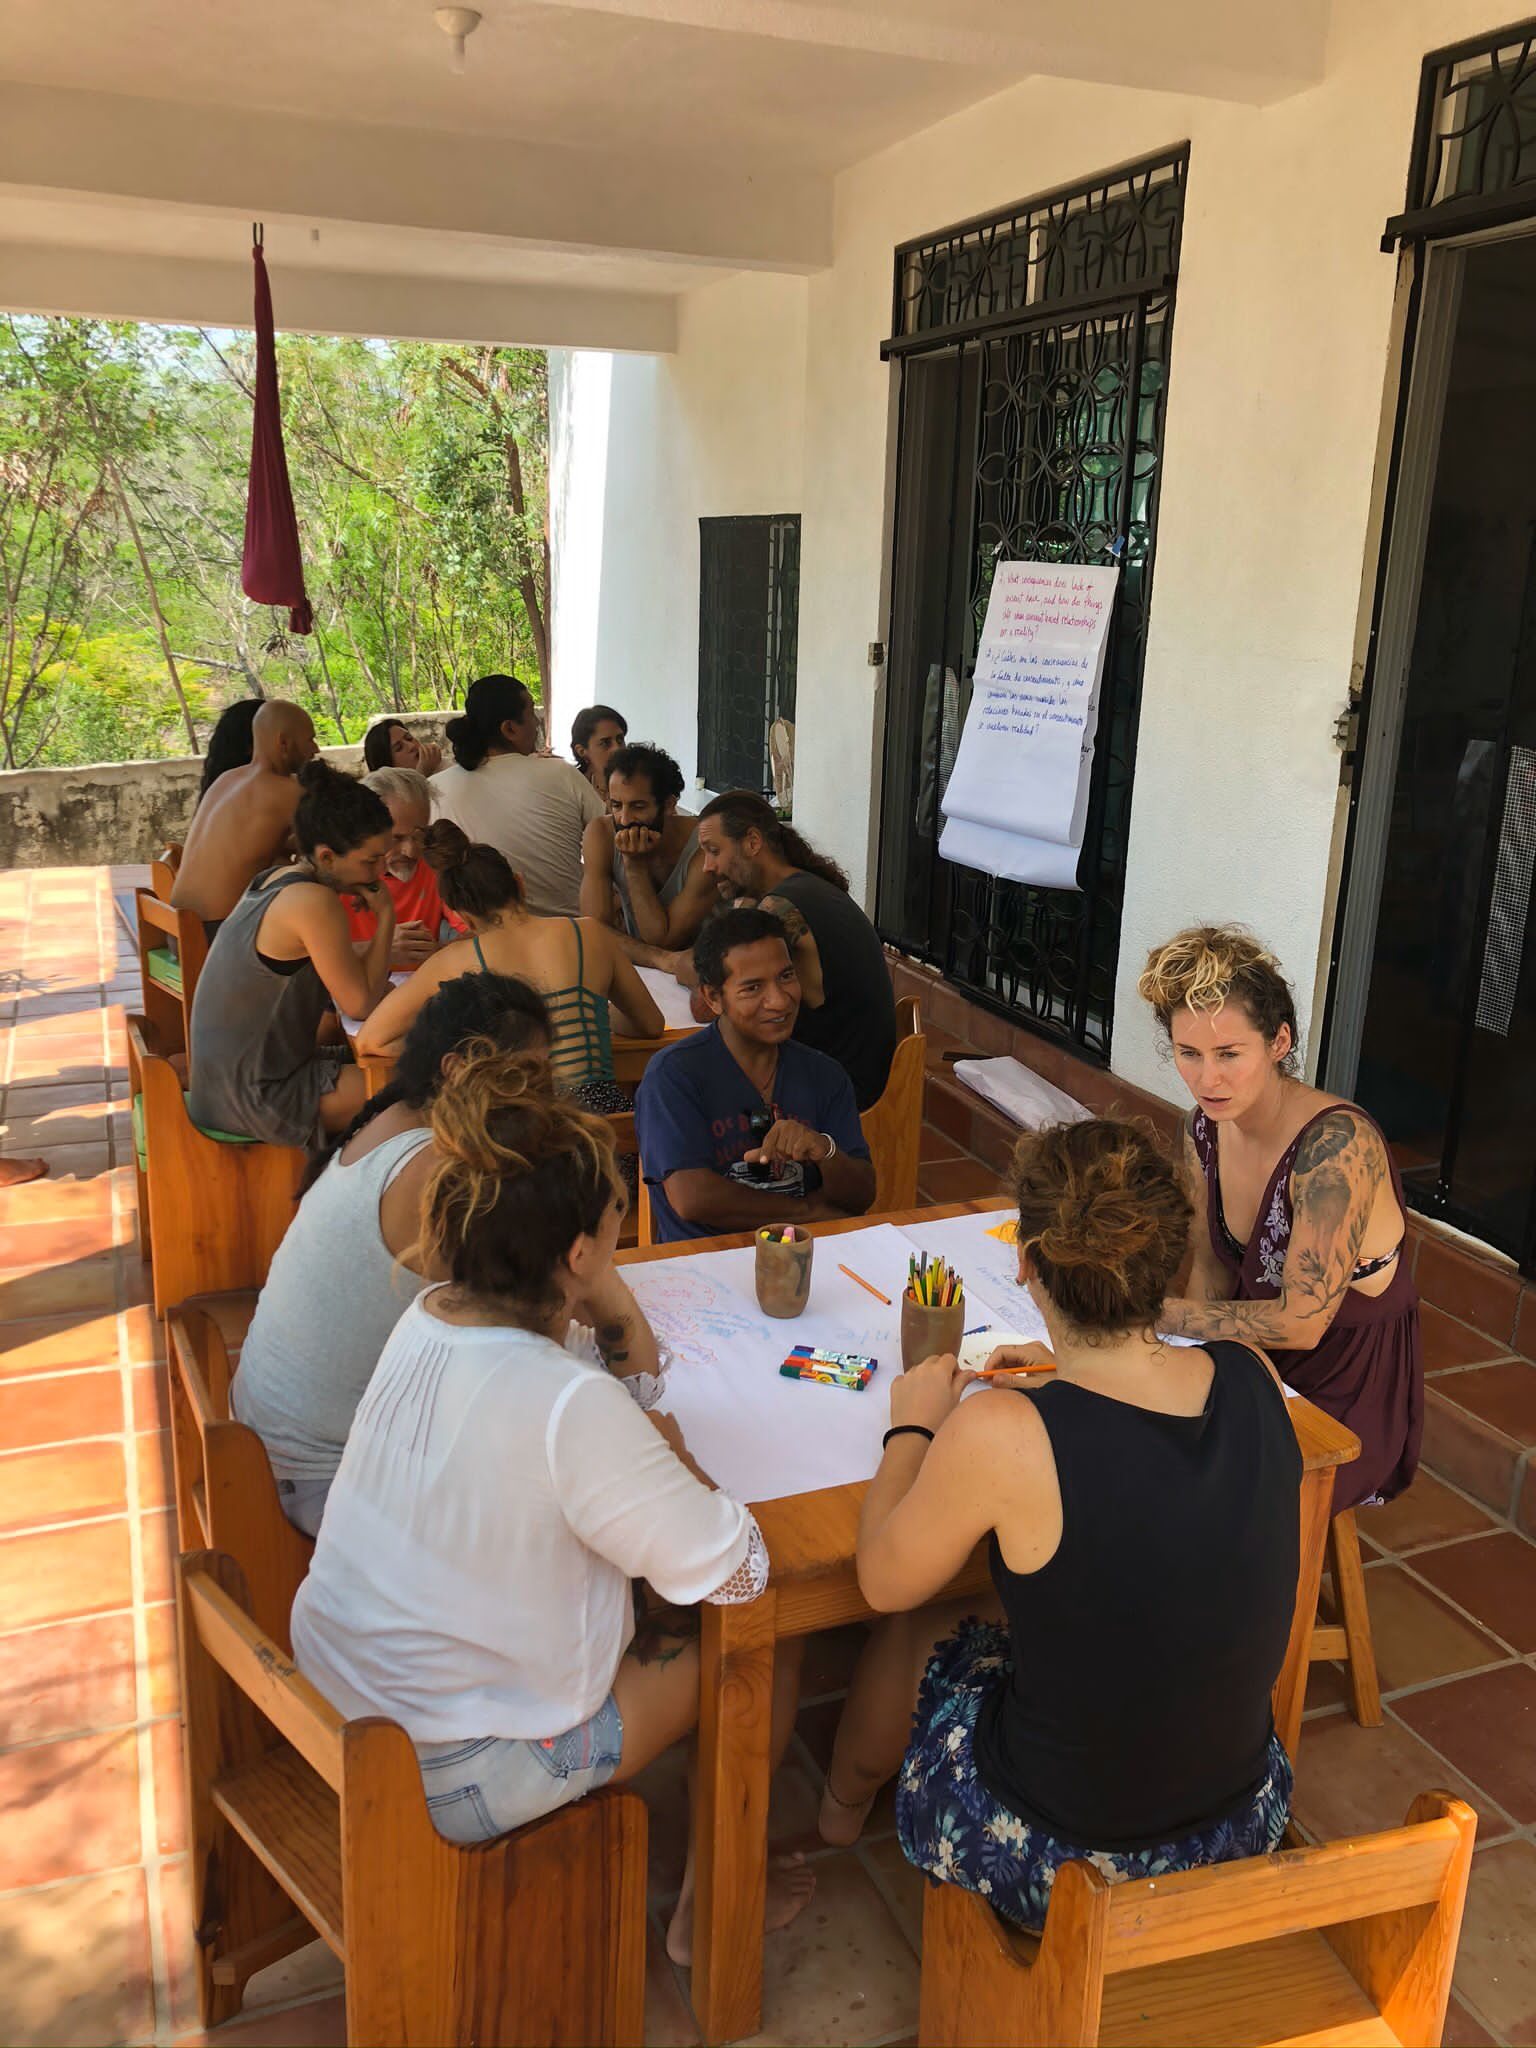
[952, 1828]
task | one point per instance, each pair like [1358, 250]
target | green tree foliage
[420, 474]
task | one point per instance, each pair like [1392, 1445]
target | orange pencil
[865, 1285]
[988, 1372]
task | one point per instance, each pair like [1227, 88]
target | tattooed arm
[1209, 1279]
[802, 947]
[1340, 1166]
[625, 1341]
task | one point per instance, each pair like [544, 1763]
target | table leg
[1291, 1691]
[731, 1824]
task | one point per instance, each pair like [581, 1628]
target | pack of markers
[852, 1370]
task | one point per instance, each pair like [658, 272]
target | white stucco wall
[643, 448]
[1281, 357]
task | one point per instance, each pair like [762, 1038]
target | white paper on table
[352, 1025]
[672, 999]
[757, 1434]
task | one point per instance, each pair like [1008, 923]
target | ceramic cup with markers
[927, 1331]
[783, 1271]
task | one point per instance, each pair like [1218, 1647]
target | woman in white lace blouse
[503, 1486]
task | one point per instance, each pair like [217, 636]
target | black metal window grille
[1035, 439]
[1474, 141]
[1119, 232]
[749, 629]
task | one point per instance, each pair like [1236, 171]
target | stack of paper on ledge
[1024, 1097]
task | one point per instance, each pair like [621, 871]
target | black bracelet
[905, 1429]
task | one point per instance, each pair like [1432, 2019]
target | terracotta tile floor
[94, 1910]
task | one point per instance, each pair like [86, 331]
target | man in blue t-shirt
[740, 1125]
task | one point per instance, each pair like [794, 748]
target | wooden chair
[173, 947]
[893, 1126]
[226, 1496]
[1347, 1638]
[536, 1937]
[215, 1206]
[1350, 1942]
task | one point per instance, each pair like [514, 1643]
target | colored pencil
[868, 1289]
[988, 1372]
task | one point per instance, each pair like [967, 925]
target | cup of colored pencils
[932, 1310]
[783, 1271]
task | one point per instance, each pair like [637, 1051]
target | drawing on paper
[697, 1319]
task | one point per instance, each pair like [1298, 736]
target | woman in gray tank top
[282, 957]
[304, 1365]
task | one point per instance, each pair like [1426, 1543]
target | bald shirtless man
[242, 824]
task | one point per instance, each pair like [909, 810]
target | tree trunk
[154, 603]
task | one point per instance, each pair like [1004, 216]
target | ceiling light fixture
[457, 23]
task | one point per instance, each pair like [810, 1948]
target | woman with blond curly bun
[503, 1488]
[1141, 1511]
[1300, 1218]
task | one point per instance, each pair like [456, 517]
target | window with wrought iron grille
[1034, 349]
[749, 622]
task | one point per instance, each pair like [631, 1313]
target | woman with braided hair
[1300, 1219]
[1141, 1510]
[507, 1481]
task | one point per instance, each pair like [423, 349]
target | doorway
[1434, 1029]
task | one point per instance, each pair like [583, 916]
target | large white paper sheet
[757, 1434]
[671, 999]
[1016, 803]
[1024, 1096]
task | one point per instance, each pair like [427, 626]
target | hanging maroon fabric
[273, 569]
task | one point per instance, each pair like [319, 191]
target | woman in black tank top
[1141, 1511]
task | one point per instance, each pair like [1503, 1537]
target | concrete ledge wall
[118, 811]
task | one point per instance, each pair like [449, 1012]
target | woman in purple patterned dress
[1300, 1223]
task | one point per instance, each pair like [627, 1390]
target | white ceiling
[596, 159]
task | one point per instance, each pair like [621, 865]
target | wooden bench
[215, 1206]
[1347, 1637]
[173, 949]
[1350, 1942]
[226, 1496]
[300, 1820]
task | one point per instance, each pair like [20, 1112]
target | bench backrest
[893, 1126]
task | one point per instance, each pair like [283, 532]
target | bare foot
[841, 1821]
[15, 1173]
[791, 1884]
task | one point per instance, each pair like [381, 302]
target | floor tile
[669, 2020]
[936, 1144]
[154, 1468]
[57, 1344]
[903, 1885]
[1482, 1460]
[71, 1807]
[957, 1180]
[162, 1659]
[1462, 2030]
[143, 1334]
[1503, 1394]
[1417, 1636]
[62, 1410]
[63, 1198]
[843, 1971]
[170, 1787]
[65, 1161]
[1468, 1288]
[37, 1098]
[1485, 1727]
[151, 1396]
[28, 1129]
[64, 1573]
[1429, 1512]
[67, 1679]
[1493, 1578]
[178, 2014]
[65, 1483]
[84, 1285]
[320, 2024]
[1448, 1342]
[27, 1246]
[78, 1963]
[1354, 1781]
[1496, 1963]
[158, 1538]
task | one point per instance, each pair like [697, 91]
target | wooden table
[812, 1538]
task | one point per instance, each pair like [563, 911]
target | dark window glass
[749, 621]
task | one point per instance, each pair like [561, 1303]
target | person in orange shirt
[421, 923]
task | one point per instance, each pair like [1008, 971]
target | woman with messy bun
[574, 962]
[282, 958]
[503, 1488]
[1300, 1218]
[1140, 1508]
